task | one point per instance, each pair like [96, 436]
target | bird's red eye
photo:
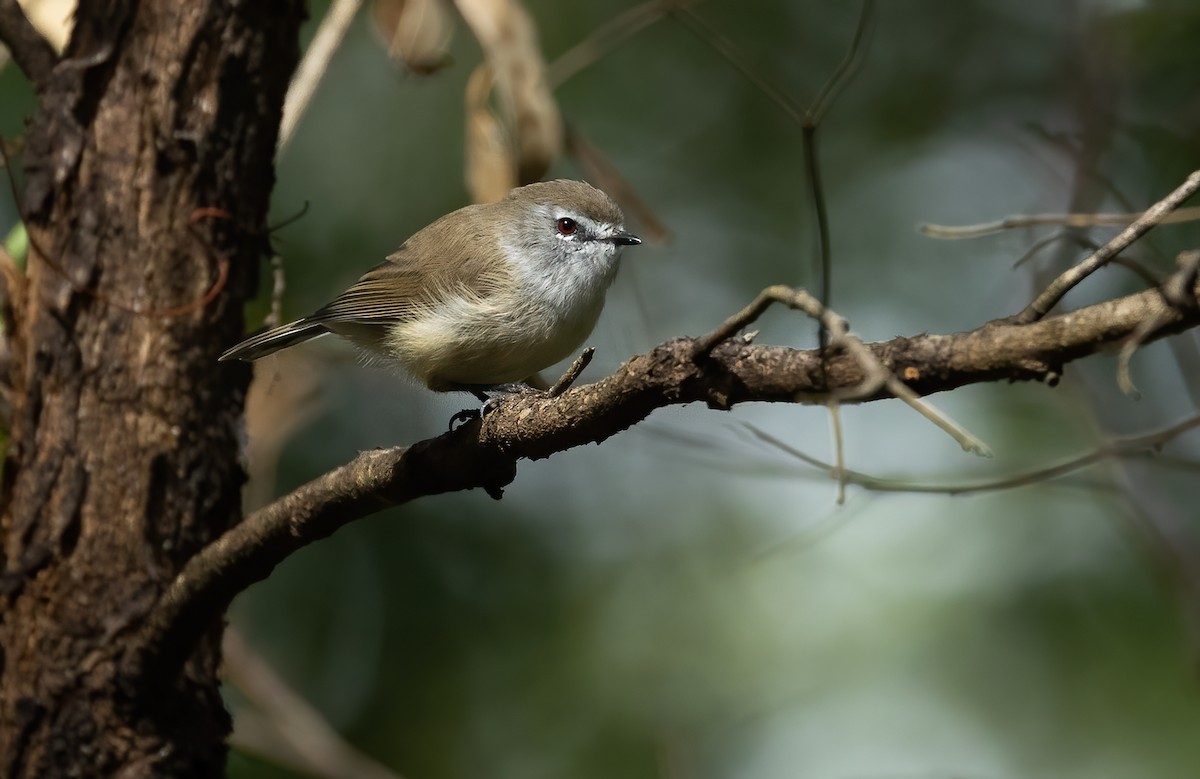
[567, 226]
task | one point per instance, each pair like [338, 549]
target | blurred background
[689, 600]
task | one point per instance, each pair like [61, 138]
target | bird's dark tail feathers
[273, 340]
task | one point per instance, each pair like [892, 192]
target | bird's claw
[465, 416]
[491, 402]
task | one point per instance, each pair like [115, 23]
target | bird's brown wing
[449, 256]
[385, 294]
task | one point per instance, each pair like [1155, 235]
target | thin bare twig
[816, 191]
[797, 299]
[1144, 273]
[1146, 444]
[604, 174]
[710, 35]
[1143, 224]
[960, 232]
[314, 744]
[847, 69]
[1038, 245]
[609, 36]
[577, 367]
[33, 54]
[1138, 269]
[838, 81]
[274, 317]
[809, 120]
[839, 451]
[314, 65]
[875, 375]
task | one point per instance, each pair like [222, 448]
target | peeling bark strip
[685, 370]
[123, 459]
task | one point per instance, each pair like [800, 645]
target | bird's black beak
[622, 238]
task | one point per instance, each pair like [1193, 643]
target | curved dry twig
[876, 376]
[1126, 446]
[607, 37]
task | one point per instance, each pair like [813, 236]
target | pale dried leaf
[491, 163]
[416, 32]
[283, 397]
[54, 19]
[509, 40]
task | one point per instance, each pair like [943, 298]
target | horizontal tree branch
[33, 54]
[684, 370]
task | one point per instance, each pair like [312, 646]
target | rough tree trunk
[123, 458]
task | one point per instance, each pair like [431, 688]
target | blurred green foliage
[681, 601]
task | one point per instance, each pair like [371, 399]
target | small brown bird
[485, 296]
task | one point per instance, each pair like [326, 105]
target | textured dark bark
[123, 459]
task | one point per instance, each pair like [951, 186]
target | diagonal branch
[33, 54]
[1102, 256]
[533, 426]
[313, 67]
[310, 744]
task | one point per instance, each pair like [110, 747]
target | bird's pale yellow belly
[485, 342]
